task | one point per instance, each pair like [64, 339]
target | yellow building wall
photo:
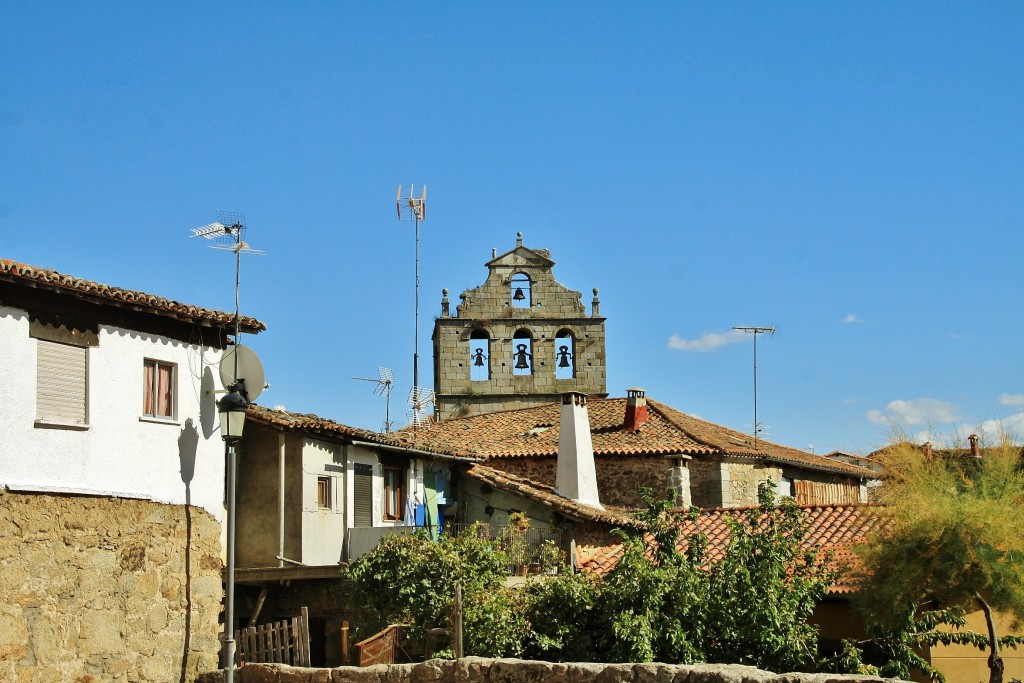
[966, 664]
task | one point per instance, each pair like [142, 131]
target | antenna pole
[756, 331]
[416, 352]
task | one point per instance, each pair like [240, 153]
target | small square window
[158, 389]
[323, 493]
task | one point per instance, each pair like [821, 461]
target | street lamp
[231, 409]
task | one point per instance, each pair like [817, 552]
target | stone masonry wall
[550, 309]
[619, 477]
[106, 589]
[479, 670]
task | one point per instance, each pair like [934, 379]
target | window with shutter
[61, 387]
[362, 499]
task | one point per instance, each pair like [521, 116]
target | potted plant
[515, 541]
[550, 557]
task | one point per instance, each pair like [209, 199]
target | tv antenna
[413, 206]
[383, 388]
[420, 401]
[755, 331]
[228, 234]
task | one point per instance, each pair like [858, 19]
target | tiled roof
[546, 496]
[832, 528]
[533, 432]
[42, 278]
[309, 423]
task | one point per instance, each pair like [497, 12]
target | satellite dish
[250, 371]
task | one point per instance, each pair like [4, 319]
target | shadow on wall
[207, 403]
[188, 446]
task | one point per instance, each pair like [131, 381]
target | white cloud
[851, 318]
[1011, 399]
[1011, 426]
[709, 341]
[914, 412]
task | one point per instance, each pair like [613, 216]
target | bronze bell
[519, 296]
[478, 358]
[521, 362]
[563, 357]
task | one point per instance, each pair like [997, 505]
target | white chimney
[576, 477]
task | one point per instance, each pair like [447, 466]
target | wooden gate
[281, 642]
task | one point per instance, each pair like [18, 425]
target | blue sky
[850, 173]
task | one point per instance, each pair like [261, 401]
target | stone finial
[519, 239]
[595, 306]
[445, 313]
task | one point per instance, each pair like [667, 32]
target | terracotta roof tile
[832, 528]
[13, 271]
[533, 432]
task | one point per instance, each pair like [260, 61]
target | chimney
[636, 410]
[975, 451]
[927, 449]
[576, 476]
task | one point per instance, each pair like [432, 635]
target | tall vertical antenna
[756, 331]
[413, 206]
[228, 233]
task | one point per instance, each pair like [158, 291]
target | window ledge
[160, 420]
[51, 424]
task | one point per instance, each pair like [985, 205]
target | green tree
[953, 534]
[411, 579]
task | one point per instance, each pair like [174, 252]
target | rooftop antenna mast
[755, 331]
[411, 204]
[228, 234]
[383, 388]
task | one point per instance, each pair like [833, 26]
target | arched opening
[565, 355]
[522, 294]
[522, 353]
[479, 356]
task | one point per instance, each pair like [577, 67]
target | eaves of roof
[314, 425]
[61, 283]
[547, 497]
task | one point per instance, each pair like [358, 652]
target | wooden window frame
[324, 488]
[394, 490]
[150, 393]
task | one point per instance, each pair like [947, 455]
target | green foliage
[411, 579]
[952, 533]
[561, 612]
[661, 603]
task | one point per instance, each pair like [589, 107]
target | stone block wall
[480, 670]
[107, 589]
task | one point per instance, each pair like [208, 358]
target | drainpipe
[280, 500]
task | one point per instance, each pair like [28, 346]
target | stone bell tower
[517, 340]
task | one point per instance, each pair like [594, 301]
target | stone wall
[619, 477]
[479, 670]
[550, 313]
[106, 589]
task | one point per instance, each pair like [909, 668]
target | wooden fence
[281, 642]
[380, 648]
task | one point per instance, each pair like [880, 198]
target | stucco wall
[101, 589]
[120, 453]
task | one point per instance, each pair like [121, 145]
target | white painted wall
[323, 530]
[120, 453]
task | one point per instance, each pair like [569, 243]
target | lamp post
[231, 409]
